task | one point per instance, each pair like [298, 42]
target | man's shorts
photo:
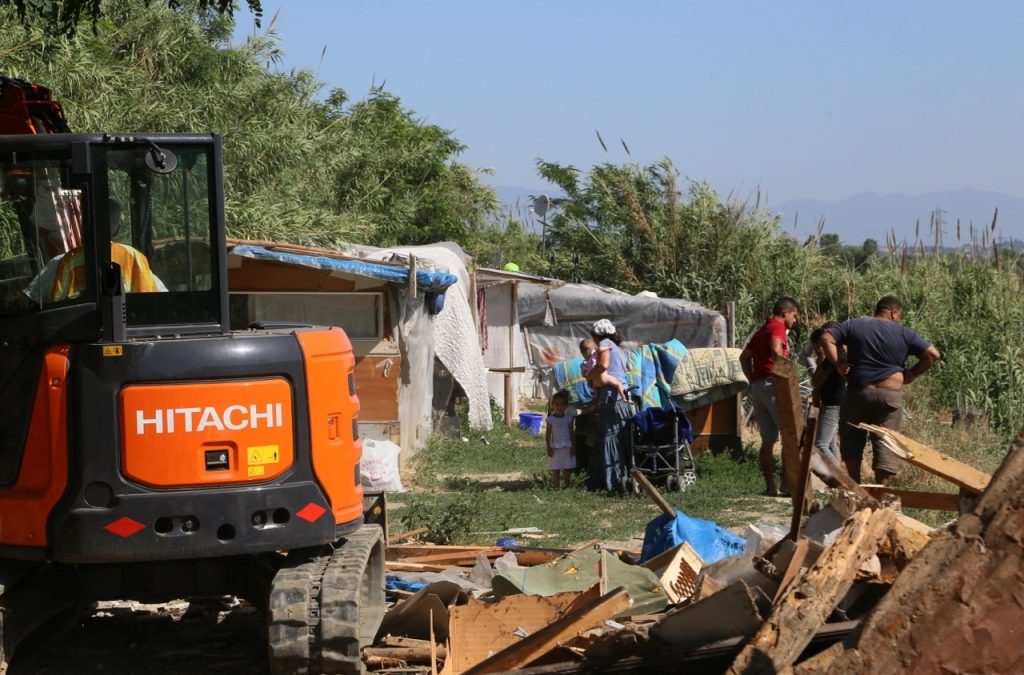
[873, 405]
[762, 394]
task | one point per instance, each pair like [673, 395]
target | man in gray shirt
[875, 370]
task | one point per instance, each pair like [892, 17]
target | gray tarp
[556, 317]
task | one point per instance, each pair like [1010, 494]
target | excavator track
[325, 605]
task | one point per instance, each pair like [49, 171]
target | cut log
[804, 608]
[959, 605]
[417, 655]
[552, 636]
[931, 460]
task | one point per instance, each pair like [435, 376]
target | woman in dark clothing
[607, 461]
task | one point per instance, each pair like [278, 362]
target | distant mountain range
[869, 215]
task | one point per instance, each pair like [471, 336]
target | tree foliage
[62, 17]
[636, 228]
[296, 168]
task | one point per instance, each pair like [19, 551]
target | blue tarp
[434, 281]
[711, 542]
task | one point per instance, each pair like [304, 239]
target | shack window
[361, 315]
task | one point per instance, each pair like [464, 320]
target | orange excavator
[147, 451]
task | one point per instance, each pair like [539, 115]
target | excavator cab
[139, 434]
[117, 204]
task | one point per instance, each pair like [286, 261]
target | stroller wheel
[629, 485]
[688, 478]
[672, 483]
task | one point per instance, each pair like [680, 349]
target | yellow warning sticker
[256, 470]
[263, 454]
[113, 350]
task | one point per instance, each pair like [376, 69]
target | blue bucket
[531, 422]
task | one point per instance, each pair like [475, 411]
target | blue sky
[819, 100]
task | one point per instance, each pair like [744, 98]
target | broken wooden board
[793, 567]
[802, 494]
[412, 617]
[835, 476]
[678, 569]
[808, 603]
[552, 636]
[913, 499]
[931, 460]
[959, 605]
[736, 610]
[786, 385]
[478, 630]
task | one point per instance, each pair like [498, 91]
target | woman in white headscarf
[608, 459]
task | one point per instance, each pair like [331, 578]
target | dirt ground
[217, 636]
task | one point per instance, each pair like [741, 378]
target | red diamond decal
[311, 512]
[124, 527]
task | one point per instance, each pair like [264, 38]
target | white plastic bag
[378, 469]
[761, 536]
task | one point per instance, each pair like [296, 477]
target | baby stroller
[660, 439]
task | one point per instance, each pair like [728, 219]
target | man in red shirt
[757, 359]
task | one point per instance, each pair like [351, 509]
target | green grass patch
[468, 492]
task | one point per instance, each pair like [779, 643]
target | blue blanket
[649, 368]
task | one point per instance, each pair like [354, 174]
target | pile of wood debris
[856, 586]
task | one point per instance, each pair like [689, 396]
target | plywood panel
[377, 387]
[272, 275]
[717, 418]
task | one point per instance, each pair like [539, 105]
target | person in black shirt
[828, 387]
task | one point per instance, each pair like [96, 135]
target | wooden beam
[399, 566]
[552, 636]
[931, 460]
[796, 561]
[455, 557]
[401, 551]
[912, 499]
[836, 473]
[800, 494]
[810, 601]
[655, 496]
[395, 538]
[786, 384]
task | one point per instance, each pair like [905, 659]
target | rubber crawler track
[326, 605]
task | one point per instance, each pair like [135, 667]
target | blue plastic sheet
[426, 280]
[711, 542]
[396, 584]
